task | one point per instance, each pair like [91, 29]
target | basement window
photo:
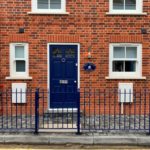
[49, 6]
[126, 6]
[19, 92]
[125, 92]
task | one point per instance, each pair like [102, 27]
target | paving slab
[113, 140]
[23, 139]
[1, 139]
[71, 139]
[143, 140]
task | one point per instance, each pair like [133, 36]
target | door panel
[63, 76]
[56, 69]
[69, 72]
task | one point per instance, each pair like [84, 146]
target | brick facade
[87, 23]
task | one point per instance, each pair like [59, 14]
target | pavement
[69, 147]
[72, 138]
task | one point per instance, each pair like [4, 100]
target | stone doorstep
[57, 131]
[56, 128]
[60, 126]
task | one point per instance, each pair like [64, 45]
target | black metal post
[78, 113]
[149, 125]
[149, 116]
[36, 111]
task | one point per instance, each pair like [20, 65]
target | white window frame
[126, 75]
[139, 8]
[36, 10]
[13, 72]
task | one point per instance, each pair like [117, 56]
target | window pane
[118, 4]
[56, 53]
[20, 66]
[119, 52]
[42, 4]
[55, 4]
[70, 53]
[130, 4]
[131, 52]
[19, 52]
[130, 66]
[118, 66]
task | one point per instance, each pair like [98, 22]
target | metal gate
[56, 119]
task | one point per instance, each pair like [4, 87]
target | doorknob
[75, 81]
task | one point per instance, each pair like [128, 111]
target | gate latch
[63, 81]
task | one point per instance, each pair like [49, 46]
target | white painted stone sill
[51, 110]
[18, 78]
[48, 13]
[117, 13]
[125, 78]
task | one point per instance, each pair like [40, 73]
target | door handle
[75, 81]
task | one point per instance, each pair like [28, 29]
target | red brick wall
[87, 24]
[1, 108]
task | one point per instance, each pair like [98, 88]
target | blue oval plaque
[89, 67]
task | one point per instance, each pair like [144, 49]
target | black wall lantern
[143, 31]
[21, 30]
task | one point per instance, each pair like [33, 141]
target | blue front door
[63, 76]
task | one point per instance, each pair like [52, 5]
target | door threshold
[58, 130]
[60, 110]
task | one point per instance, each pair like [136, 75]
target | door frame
[48, 73]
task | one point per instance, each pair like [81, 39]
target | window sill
[18, 78]
[48, 13]
[125, 78]
[123, 13]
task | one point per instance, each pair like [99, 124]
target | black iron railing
[106, 110]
